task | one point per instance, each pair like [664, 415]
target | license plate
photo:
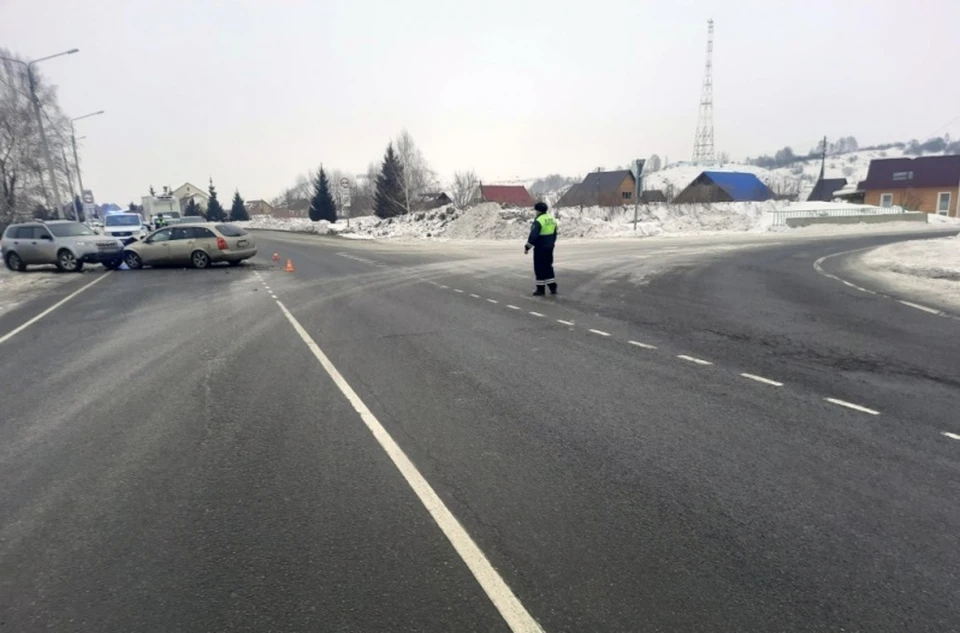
[241, 243]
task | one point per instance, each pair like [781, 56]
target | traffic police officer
[543, 237]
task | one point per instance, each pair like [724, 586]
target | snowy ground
[15, 288]
[922, 268]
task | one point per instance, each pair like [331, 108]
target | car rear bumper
[234, 255]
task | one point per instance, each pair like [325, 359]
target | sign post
[89, 207]
[637, 189]
[345, 198]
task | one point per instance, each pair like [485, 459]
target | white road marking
[643, 345]
[537, 314]
[458, 290]
[444, 287]
[765, 381]
[512, 307]
[641, 256]
[693, 359]
[9, 335]
[600, 332]
[919, 307]
[850, 405]
[952, 436]
[506, 602]
[516, 275]
[565, 322]
[474, 296]
[493, 301]
[266, 286]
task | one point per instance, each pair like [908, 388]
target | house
[650, 196]
[924, 183]
[506, 195]
[724, 186]
[601, 188]
[826, 188]
[259, 207]
[187, 191]
[432, 200]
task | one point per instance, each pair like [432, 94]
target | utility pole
[66, 170]
[73, 140]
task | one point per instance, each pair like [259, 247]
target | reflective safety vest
[548, 226]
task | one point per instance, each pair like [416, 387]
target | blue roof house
[724, 186]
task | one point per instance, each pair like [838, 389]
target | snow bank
[931, 259]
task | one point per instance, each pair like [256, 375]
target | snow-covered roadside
[16, 288]
[925, 269]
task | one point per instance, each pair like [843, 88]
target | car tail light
[222, 244]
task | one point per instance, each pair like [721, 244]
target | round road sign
[344, 183]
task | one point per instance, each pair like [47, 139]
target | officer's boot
[540, 291]
[553, 288]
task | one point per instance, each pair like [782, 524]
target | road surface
[697, 435]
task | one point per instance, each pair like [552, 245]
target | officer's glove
[526, 249]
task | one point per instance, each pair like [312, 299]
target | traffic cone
[276, 257]
[289, 268]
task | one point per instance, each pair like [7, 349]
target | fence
[779, 218]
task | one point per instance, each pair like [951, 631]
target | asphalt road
[174, 455]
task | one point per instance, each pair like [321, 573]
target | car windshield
[229, 230]
[122, 220]
[73, 229]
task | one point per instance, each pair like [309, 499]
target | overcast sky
[255, 92]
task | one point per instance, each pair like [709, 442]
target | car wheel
[113, 264]
[15, 263]
[132, 260]
[199, 259]
[67, 262]
[235, 262]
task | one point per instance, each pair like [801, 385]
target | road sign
[345, 183]
[89, 208]
[88, 196]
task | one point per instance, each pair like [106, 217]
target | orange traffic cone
[276, 257]
[289, 268]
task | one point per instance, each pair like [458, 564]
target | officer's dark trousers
[543, 265]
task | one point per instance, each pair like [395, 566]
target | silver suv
[67, 244]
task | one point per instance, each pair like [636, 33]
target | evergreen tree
[152, 192]
[192, 208]
[238, 212]
[322, 206]
[388, 199]
[215, 212]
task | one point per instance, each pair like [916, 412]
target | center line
[643, 345]
[537, 314]
[458, 290]
[765, 381]
[444, 287]
[565, 322]
[952, 436]
[493, 301]
[501, 595]
[600, 332]
[474, 296]
[693, 359]
[512, 307]
[850, 405]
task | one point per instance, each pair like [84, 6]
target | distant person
[543, 237]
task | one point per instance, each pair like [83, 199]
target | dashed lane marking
[444, 287]
[474, 296]
[918, 306]
[765, 381]
[493, 301]
[850, 405]
[565, 322]
[501, 595]
[952, 436]
[643, 345]
[694, 359]
[458, 290]
[599, 332]
[537, 314]
[513, 307]
[9, 335]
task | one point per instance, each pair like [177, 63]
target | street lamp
[36, 110]
[73, 139]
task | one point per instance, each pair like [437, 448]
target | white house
[187, 191]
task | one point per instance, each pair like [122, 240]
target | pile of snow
[931, 259]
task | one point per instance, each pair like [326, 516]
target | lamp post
[36, 111]
[73, 140]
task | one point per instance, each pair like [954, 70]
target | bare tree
[465, 185]
[418, 178]
[653, 164]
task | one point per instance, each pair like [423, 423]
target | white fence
[779, 218]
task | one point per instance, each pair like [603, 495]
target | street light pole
[36, 111]
[73, 140]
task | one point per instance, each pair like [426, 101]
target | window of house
[903, 175]
[943, 203]
[627, 195]
[886, 199]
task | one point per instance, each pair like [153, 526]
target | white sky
[254, 92]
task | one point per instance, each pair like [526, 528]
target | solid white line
[537, 314]
[850, 405]
[919, 307]
[493, 301]
[765, 381]
[600, 332]
[9, 335]
[692, 359]
[643, 345]
[516, 615]
[474, 296]
[565, 322]
[952, 436]
[458, 290]
[512, 307]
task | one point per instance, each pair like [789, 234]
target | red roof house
[508, 195]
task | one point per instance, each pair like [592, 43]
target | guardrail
[779, 218]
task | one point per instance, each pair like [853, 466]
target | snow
[16, 287]
[923, 270]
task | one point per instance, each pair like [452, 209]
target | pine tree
[215, 212]
[388, 199]
[238, 212]
[192, 208]
[322, 206]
